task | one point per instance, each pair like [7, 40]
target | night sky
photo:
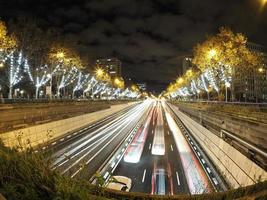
[149, 36]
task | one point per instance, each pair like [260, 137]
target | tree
[226, 49]
[217, 58]
[8, 44]
[35, 44]
[68, 65]
[220, 55]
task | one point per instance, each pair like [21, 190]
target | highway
[149, 164]
[159, 160]
[146, 143]
[81, 153]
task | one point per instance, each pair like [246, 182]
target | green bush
[27, 175]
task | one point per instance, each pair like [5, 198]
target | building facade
[142, 86]
[111, 65]
[251, 86]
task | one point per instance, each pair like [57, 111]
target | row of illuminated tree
[52, 67]
[215, 61]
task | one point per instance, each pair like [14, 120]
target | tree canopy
[225, 48]
[7, 42]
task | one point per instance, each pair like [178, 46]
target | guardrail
[251, 147]
[47, 100]
[264, 104]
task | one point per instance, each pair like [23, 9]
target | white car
[122, 183]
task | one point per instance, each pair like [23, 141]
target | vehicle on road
[162, 183]
[121, 183]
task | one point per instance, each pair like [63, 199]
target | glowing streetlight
[212, 53]
[261, 69]
[180, 80]
[134, 88]
[117, 81]
[60, 55]
[99, 72]
[263, 2]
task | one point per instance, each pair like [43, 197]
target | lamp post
[259, 81]
[227, 85]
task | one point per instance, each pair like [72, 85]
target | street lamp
[212, 53]
[227, 85]
[60, 55]
[263, 2]
[180, 80]
[261, 69]
[116, 81]
[99, 72]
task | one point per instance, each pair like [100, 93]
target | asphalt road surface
[145, 143]
[81, 153]
[171, 167]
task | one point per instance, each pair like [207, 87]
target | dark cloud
[149, 36]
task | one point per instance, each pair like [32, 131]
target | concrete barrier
[252, 131]
[40, 134]
[236, 168]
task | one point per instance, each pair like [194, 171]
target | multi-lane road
[146, 143]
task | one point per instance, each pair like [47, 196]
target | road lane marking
[68, 136]
[54, 143]
[203, 161]
[124, 122]
[177, 177]
[171, 148]
[198, 153]
[168, 133]
[215, 181]
[208, 169]
[106, 175]
[112, 164]
[62, 139]
[195, 148]
[149, 146]
[118, 156]
[144, 175]
[152, 131]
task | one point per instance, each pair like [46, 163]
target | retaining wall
[236, 168]
[40, 134]
[252, 131]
